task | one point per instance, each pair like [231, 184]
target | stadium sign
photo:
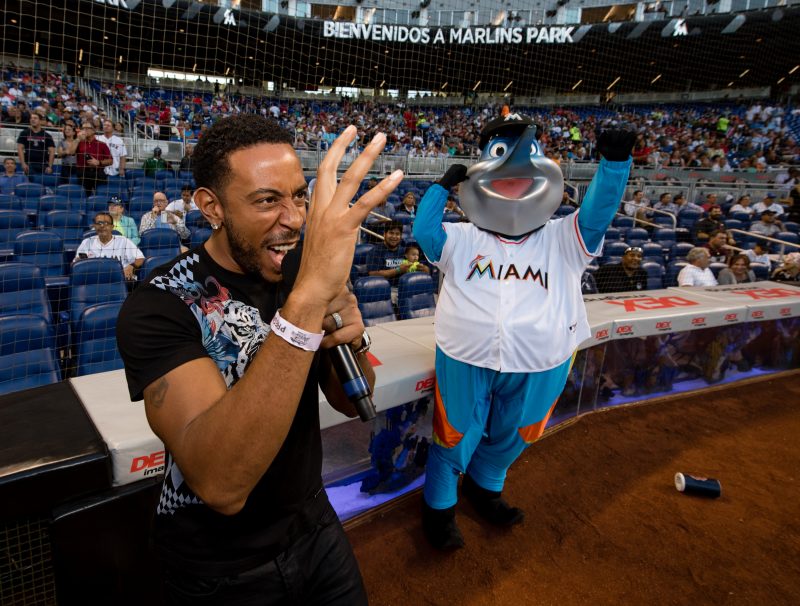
[458, 35]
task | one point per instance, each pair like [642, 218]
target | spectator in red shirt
[92, 156]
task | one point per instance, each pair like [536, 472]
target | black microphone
[345, 364]
[354, 383]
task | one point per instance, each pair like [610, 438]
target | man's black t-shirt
[192, 308]
[614, 278]
[36, 147]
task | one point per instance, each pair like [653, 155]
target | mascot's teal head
[513, 189]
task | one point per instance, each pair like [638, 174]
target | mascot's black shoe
[440, 527]
[490, 505]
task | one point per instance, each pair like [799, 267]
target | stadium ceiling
[709, 53]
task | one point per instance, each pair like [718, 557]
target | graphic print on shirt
[482, 266]
[232, 333]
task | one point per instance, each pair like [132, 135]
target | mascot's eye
[498, 149]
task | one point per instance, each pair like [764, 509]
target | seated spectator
[697, 272]
[789, 270]
[768, 225]
[742, 206]
[184, 204]
[710, 201]
[738, 271]
[624, 276]
[666, 204]
[386, 259]
[10, 179]
[683, 204]
[161, 218]
[109, 246]
[125, 225]
[759, 254]
[638, 207]
[769, 202]
[409, 204]
[717, 247]
[451, 207]
[708, 225]
[411, 261]
[154, 164]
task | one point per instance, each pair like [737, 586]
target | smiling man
[228, 358]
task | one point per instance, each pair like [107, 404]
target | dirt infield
[604, 523]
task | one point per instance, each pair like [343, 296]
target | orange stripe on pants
[531, 433]
[444, 434]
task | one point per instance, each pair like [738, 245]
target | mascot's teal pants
[482, 421]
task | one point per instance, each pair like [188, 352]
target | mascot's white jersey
[513, 306]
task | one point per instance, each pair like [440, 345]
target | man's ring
[337, 319]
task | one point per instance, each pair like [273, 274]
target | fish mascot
[510, 315]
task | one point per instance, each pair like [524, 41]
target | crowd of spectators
[750, 138]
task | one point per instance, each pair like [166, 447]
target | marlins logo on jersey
[482, 266]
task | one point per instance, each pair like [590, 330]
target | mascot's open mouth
[512, 188]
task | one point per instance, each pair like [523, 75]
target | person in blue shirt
[10, 178]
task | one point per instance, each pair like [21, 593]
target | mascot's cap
[511, 125]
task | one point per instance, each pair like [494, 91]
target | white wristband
[298, 337]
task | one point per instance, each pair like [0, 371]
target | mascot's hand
[616, 145]
[454, 175]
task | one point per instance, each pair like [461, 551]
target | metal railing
[782, 243]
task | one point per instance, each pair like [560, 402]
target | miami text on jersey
[483, 266]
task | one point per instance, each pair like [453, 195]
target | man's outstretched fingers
[376, 195]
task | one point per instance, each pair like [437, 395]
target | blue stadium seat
[788, 236]
[671, 275]
[403, 217]
[741, 216]
[734, 224]
[564, 210]
[623, 221]
[94, 281]
[22, 291]
[374, 295]
[200, 235]
[52, 202]
[665, 236]
[95, 341]
[150, 263]
[96, 204]
[655, 275]
[10, 202]
[27, 353]
[451, 218]
[688, 218]
[653, 252]
[29, 190]
[789, 225]
[615, 248]
[159, 242]
[134, 173]
[118, 188]
[195, 220]
[760, 270]
[613, 234]
[680, 250]
[359, 267]
[717, 267]
[637, 236]
[415, 296]
[138, 206]
[74, 193]
[12, 223]
[68, 224]
[45, 250]
[162, 175]
[662, 220]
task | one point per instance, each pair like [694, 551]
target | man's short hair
[210, 165]
[390, 225]
[186, 187]
[102, 213]
[767, 212]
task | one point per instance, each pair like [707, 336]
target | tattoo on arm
[158, 392]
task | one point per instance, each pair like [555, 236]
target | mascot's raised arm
[510, 315]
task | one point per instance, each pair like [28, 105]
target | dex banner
[457, 35]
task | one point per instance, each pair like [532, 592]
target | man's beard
[247, 256]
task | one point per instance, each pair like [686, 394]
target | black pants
[319, 568]
[90, 178]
